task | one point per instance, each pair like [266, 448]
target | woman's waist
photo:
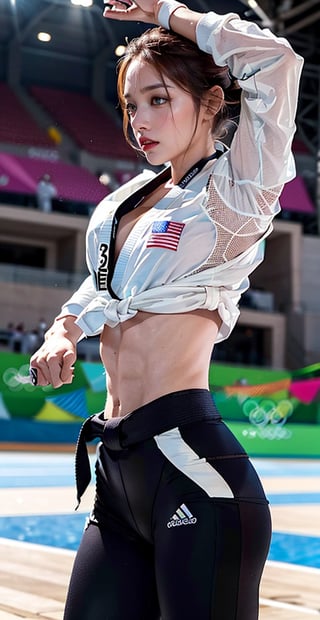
[152, 354]
[171, 410]
[160, 338]
[129, 395]
[136, 380]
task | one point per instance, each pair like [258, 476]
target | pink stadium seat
[85, 121]
[72, 182]
[16, 124]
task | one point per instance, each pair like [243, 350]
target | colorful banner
[270, 411]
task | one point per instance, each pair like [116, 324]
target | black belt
[159, 416]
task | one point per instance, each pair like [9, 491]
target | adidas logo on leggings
[182, 516]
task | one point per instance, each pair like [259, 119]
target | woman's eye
[158, 100]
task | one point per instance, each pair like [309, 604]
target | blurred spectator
[17, 337]
[10, 333]
[42, 326]
[30, 342]
[45, 192]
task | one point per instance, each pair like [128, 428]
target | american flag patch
[165, 234]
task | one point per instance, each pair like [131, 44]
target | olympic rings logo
[17, 379]
[268, 417]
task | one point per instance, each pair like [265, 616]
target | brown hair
[185, 64]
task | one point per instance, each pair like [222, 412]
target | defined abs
[153, 354]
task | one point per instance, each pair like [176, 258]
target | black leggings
[180, 526]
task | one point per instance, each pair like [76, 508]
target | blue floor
[295, 549]
[36, 470]
[64, 531]
[288, 468]
[293, 498]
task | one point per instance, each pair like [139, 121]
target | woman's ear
[213, 101]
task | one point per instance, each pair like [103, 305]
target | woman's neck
[189, 173]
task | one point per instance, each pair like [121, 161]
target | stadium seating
[86, 122]
[16, 124]
[73, 183]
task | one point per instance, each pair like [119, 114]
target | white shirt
[197, 246]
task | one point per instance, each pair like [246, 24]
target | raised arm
[268, 71]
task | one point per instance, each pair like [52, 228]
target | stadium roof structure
[81, 52]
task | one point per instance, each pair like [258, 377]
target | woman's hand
[127, 10]
[184, 23]
[53, 363]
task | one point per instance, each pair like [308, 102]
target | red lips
[147, 143]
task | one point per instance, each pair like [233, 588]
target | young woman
[180, 526]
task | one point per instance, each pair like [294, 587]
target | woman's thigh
[112, 579]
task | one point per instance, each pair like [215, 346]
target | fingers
[37, 377]
[39, 373]
[116, 6]
[67, 369]
[48, 370]
[54, 368]
[112, 12]
[122, 3]
[124, 10]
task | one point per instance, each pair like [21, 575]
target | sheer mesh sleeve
[236, 231]
[268, 71]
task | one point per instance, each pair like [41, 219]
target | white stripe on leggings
[186, 460]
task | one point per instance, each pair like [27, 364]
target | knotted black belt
[163, 414]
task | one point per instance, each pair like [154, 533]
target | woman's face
[164, 119]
